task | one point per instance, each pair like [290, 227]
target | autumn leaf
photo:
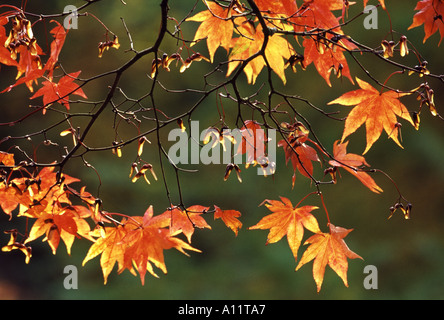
[59, 92]
[11, 196]
[7, 159]
[324, 50]
[252, 143]
[23, 46]
[5, 54]
[59, 34]
[430, 14]
[146, 243]
[352, 162]
[328, 248]
[289, 221]
[64, 225]
[229, 217]
[326, 60]
[31, 76]
[278, 50]
[284, 8]
[186, 220]
[216, 26]
[136, 242]
[298, 151]
[377, 110]
[111, 248]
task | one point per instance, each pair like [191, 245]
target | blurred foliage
[409, 255]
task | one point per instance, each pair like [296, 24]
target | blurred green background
[408, 254]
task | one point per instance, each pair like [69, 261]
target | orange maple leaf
[287, 220]
[229, 217]
[331, 249]
[377, 110]
[136, 241]
[111, 248]
[352, 162]
[146, 242]
[59, 92]
[430, 14]
[285, 8]
[186, 220]
[5, 54]
[299, 152]
[250, 43]
[216, 26]
[66, 224]
[11, 195]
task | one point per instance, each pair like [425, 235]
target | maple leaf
[285, 8]
[430, 14]
[136, 241]
[216, 26]
[5, 54]
[253, 142]
[250, 43]
[186, 220]
[298, 152]
[327, 60]
[7, 159]
[146, 243]
[229, 217]
[326, 51]
[59, 34]
[65, 224]
[287, 220]
[328, 248]
[11, 195]
[111, 248]
[59, 92]
[377, 110]
[351, 162]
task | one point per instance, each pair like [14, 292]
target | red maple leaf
[430, 14]
[299, 152]
[253, 142]
[59, 34]
[59, 92]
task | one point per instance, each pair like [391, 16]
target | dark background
[408, 254]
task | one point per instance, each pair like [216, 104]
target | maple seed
[416, 119]
[108, 44]
[117, 150]
[387, 47]
[181, 125]
[404, 50]
[228, 170]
